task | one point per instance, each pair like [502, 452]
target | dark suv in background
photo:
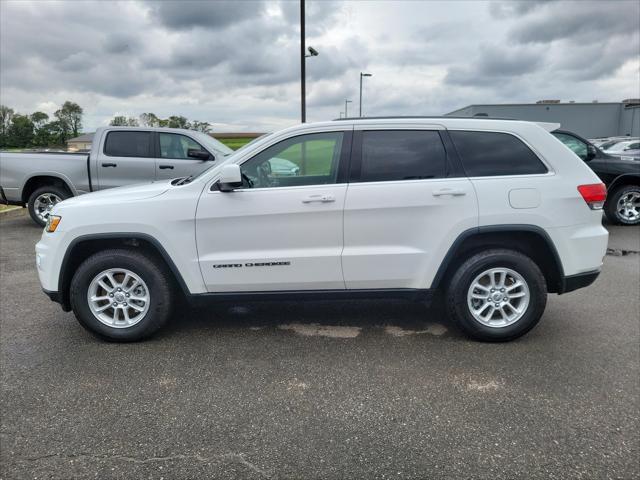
[621, 176]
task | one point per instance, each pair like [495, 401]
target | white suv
[493, 213]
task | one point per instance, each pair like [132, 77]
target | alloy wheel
[118, 298]
[498, 297]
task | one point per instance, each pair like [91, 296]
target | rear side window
[389, 155]
[487, 154]
[128, 144]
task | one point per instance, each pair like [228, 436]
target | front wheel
[121, 295]
[623, 205]
[497, 295]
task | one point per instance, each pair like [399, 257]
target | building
[590, 120]
[81, 143]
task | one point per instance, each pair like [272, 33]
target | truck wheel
[121, 295]
[623, 205]
[497, 295]
[42, 200]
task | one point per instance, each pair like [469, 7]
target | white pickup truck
[119, 156]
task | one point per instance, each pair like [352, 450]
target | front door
[173, 160]
[404, 208]
[282, 230]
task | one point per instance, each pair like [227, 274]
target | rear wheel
[497, 295]
[121, 295]
[623, 205]
[42, 201]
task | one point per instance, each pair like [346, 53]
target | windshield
[225, 159]
[211, 143]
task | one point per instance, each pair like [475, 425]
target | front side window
[176, 146]
[304, 160]
[488, 154]
[389, 155]
[127, 144]
[578, 147]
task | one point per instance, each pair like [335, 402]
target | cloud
[236, 63]
[496, 65]
[585, 21]
[212, 15]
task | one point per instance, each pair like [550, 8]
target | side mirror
[230, 178]
[199, 154]
[591, 152]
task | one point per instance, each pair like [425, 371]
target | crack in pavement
[233, 457]
[620, 252]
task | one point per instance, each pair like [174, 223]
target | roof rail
[402, 117]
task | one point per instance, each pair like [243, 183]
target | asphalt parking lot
[322, 389]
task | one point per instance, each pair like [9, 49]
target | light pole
[362, 75]
[303, 73]
[346, 107]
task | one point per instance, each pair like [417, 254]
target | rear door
[173, 158]
[125, 158]
[407, 202]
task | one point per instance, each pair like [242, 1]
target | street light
[346, 108]
[362, 75]
[303, 55]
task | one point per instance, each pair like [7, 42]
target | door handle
[449, 191]
[164, 167]
[319, 198]
[109, 164]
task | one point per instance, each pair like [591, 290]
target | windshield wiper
[185, 180]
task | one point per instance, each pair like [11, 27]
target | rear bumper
[581, 280]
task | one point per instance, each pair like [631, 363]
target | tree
[6, 114]
[47, 134]
[122, 121]
[39, 119]
[20, 132]
[149, 120]
[177, 122]
[70, 118]
[204, 127]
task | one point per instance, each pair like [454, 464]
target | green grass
[234, 143]
[316, 155]
[7, 207]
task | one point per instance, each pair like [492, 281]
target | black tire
[457, 306]
[60, 192]
[157, 279]
[611, 205]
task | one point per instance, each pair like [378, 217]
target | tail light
[594, 194]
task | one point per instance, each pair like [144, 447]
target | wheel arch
[83, 247]
[42, 180]
[529, 240]
[624, 179]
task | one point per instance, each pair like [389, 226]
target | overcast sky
[236, 64]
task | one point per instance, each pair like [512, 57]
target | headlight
[52, 223]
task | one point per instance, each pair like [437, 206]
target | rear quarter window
[488, 154]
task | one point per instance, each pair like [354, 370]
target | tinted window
[127, 144]
[486, 154]
[304, 160]
[402, 155]
[578, 147]
[173, 145]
